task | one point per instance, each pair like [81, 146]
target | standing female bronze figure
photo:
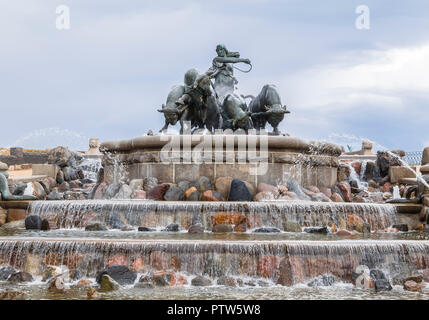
[223, 71]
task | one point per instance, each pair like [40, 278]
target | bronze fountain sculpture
[5, 193]
[216, 105]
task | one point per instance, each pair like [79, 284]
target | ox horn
[285, 109]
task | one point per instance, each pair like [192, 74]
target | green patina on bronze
[209, 105]
[5, 193]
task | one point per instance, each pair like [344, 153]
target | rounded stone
[3, 167]
[157, 193]
[33, 222]
[239, 191]
[200, 281]
[174, 194]
[196, 228]
[204, 184]
[95, 226]
[173, 227]
[119, 273]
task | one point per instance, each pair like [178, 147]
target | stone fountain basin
[308, 162]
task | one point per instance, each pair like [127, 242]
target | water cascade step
[282, 262]
[69, 214]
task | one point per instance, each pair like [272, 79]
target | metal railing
[413, 157]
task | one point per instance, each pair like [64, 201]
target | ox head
[170, 114]
[275, 114]
[203, 84]
[243, 121]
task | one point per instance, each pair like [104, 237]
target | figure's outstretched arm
[230, 60]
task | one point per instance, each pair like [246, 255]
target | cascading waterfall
[90, 168]
[354, 177]
[284, 262]
[363, 170]
[69, 214]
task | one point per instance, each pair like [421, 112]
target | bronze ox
[267, 107]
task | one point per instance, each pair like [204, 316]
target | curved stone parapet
[235, 155]
[274, 142]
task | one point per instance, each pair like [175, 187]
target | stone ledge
[397, 173]
[274, 142]
[23, 204]
[408, 208]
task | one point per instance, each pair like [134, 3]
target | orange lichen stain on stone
[226, 218]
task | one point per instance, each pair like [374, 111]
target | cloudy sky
[107, 74]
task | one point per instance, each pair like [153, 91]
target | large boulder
[196, 228]
[3, 167]
[264, 196]
[200, 281]
[107, 283]
[95, 226]
[204, 184]
[346, 191]
[381, 283]
[100, 191]
[119, 273]
[124, 192]
[413, 286]
[139, 194]
[335, 197]
[55, 195]
[174, 194]
[75, 184]
[320, 197]
[14, 225]
[33, 222]
[184, 185]
[319, 230]
[157, 193]
[6, 272]
[37, 190]
[136, 184]
[384, 161]
[223, 185]
[59, 156]
[149, 183]
[112, 190]
[222, 228]
[192, 194]
[239, 191]
[64, 186]
[264, 187]
[293, 186]
[173, 227]
[210, 195]
[19, 277]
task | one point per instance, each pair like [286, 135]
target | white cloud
[383, 80]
